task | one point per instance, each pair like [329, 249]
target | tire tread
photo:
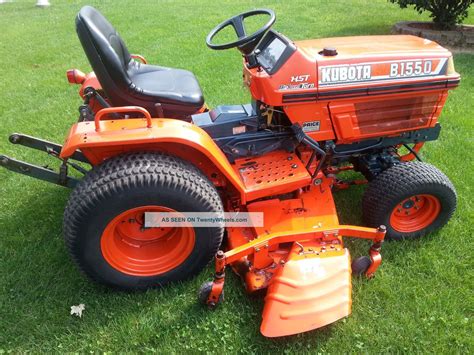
[398, 181]
[119, 174]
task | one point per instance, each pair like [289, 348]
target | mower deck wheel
[205, 291]
[360, 265]
[412, 199]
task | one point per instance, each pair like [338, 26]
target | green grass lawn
[421, 299]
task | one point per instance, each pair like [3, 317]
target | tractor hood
[351, 68]
[378, 61]
[371, 46]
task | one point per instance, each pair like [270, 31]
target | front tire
[104, 229]
[411, 199]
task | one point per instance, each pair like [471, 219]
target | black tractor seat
[167, 92]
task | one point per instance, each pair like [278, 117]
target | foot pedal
[311, 290]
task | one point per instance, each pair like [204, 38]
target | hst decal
[297, 82]
[375, 71]
[296, 86]
[300, 78]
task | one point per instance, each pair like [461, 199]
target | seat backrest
[106, 51]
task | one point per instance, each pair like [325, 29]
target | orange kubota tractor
[318, 108]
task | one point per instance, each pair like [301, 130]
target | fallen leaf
[77, 310]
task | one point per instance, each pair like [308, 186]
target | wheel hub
[133, 249]
[408, 204]
[415, 213]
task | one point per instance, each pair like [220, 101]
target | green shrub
[445, 13]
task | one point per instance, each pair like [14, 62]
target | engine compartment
[244, 131]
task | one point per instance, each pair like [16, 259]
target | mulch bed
[461, 38]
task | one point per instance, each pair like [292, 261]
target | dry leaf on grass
[77, 310]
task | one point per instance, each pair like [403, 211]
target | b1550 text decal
[416, 68]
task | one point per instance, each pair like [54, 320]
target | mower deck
[299, 256]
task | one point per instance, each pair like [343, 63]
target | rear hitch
[38, 172]
[44, 146]
[44, 172]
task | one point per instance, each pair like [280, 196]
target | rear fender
[174, 137]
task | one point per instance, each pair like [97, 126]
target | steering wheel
[246, 43]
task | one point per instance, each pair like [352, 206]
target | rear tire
[411, 199]
[103, 221]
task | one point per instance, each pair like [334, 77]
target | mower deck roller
[319, 108]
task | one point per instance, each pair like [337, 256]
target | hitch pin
[55, 154]
[52, 152]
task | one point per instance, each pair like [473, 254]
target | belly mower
[147, 143]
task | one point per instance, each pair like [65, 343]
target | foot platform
[277, 172]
